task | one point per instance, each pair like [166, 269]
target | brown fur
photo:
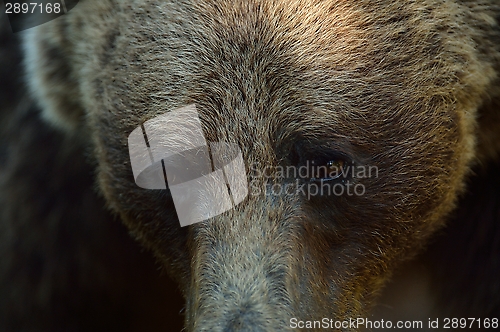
[394, 84]
[66, 264]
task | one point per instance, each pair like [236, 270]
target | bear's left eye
[327, 171]
[319, 165]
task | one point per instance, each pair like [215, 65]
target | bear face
[390, 86]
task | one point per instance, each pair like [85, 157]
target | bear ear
[50, 76]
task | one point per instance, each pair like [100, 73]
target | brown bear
[406, 88]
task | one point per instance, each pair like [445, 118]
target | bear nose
[244, 320]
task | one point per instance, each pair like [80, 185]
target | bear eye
[316, 163]
[327, 171]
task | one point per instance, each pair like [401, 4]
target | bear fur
[66, 263]
[410, 87]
